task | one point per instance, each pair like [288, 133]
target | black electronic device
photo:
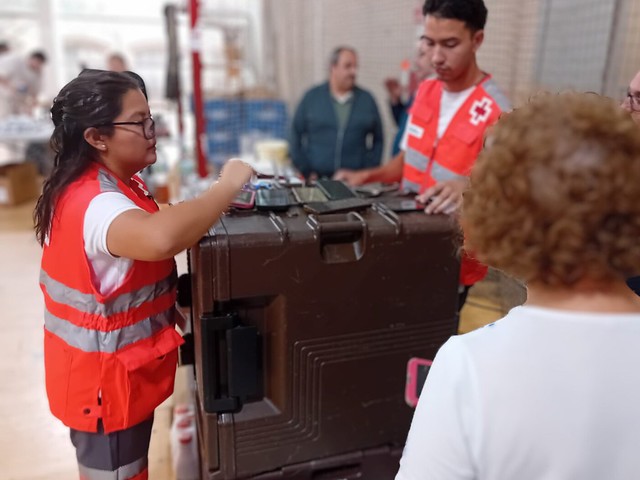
[335, 189]
[376, 189]
[308, 194]
[244, 200]
[402, 204]
[274, 199]
[341, 205]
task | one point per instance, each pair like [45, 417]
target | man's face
[450, 47]
[343, 73]
[631, 102]
[35, 64]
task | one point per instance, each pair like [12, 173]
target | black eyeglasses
[148, 126]
[634, 101]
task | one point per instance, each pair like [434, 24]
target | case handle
[341, 236]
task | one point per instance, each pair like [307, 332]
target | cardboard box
[18, 183]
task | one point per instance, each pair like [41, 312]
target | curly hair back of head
[555, 198]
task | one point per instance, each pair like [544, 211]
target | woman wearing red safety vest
[108, 274]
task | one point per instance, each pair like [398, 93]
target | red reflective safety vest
[106, 357]
[429, 159]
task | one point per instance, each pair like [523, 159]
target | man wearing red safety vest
[448, 119]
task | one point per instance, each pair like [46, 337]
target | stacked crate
[228, 120]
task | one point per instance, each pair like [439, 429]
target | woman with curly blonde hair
[551, 390]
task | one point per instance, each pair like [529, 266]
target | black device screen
[422, 372]
[274, 199]
[243, 197]
[309, 194]
[402, 204]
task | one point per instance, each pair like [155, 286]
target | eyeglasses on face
[148, 126]
[634, 101]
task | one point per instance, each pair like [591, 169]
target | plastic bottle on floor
[184, 443]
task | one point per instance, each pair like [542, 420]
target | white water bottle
[184, 443]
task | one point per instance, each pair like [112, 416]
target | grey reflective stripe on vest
[498, 96]
[124, 472]
[89, 340]
[88, 303]
[416, 159]
[411, 187]
[442, 174]
[108, 183]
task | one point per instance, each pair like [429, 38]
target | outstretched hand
[353, 178]
[236, 173]
[444, 197]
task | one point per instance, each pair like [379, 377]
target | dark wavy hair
[472, 12]
[554, 198]
[93, 98]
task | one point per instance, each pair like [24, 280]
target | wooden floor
[34, 445]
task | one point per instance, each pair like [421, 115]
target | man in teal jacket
[337, 124]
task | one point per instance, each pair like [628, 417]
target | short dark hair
[39, 55]
[472, 12]
[335, 54]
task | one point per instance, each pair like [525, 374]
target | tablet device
[244, 200]
[308, 194]
[402, 204]
[334, 206]
[274, 199]
[335, 189]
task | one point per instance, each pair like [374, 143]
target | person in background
[337, 124]
[448, 119]
[4, 47]
[20, 82]
[108, 275]
[116, 63]
[421, 69]
[549, 391]
[631, 104]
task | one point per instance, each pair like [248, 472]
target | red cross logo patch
[480, 111]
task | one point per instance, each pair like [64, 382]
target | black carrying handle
[341, 236]
[229, 362]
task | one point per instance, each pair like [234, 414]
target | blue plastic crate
[222, 113]
[228, 148]
[265, 111]
[222, 135]
[269, 129]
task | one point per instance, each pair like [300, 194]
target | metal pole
[198, 106]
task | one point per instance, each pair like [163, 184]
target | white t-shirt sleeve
[102, 210]
[438, 445]
[404, 141]
[107, 272]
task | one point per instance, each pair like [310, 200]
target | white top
[22, 82]
[107, 272]
[542, 394]
[450, 103]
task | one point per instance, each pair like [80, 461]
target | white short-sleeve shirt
[107, 271]
[542, 394]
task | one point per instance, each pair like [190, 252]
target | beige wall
[303, 32]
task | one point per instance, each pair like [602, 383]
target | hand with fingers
[236, 173]
[353, 178]
[444, 197]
